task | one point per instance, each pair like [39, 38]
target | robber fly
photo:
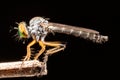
[39, 28]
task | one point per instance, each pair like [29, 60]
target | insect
[39, 27]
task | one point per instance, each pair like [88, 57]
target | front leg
[28, 55]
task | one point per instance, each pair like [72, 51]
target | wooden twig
[20, 69]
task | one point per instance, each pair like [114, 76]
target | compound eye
[22, 30]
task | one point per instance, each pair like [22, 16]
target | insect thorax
[37, 28]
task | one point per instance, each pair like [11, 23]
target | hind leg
[58, 46]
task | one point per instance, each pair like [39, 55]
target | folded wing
[78, 32]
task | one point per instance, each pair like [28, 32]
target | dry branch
[20, 69]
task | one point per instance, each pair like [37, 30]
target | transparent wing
[64, 27]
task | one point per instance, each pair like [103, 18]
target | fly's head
[22, 30]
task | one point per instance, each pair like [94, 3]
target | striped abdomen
[78, 32]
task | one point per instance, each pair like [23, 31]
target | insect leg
[28, 55]
[41, 51]
[58, 46]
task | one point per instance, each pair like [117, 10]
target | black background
[81, 57]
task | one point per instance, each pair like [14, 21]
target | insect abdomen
[79, 32]
[86, 35]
